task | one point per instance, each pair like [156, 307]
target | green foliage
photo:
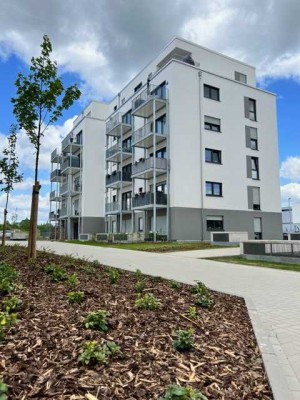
[192, 313]
[56, 273]
[75, 297]
[24, 225]
[72, 280]
[184, 340]
[147, 302]
[3, 390]
[8, 278]
[139, 286]
[175, 284]
[176, 392]
[157, 279]
[138, 274]
[6, 320]
[204, 301]
[114, 275]
[97, 320]
[11, 304]
[94, 353]
[200, 289]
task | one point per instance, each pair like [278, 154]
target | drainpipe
[201, 150]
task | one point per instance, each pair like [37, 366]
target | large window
[160, 91]
[126, 144]
[257, 229]
[126, 118]
[212, 124]
[250, 108]
[160, 125]
[162, 153]
[214, 223]
[254, 168]
[211, 92]
[253, 198]
[213, 156]
[251, 138]
[126, 201]
[213, 189]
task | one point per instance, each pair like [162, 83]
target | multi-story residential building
[77, 192]
[191, 148]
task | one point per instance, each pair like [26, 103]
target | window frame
[212, 153]
[213, 191]
[252, 113]
[213, 222]
[255, 170]
[208, 91]
[209, 126]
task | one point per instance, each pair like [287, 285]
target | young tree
[9, 173]
[40, 101]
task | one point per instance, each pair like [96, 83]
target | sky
[102, 44]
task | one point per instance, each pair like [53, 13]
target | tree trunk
[30, 224]
[4, 227]
[33, 221]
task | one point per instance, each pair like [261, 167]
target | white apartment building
[190, 148]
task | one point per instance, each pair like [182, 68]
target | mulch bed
[39, 357]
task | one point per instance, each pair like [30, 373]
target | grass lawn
[70, 327]
[160, 247]
[256, 263]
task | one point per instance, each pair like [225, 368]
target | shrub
[175, 284]
[157, 279]
[97, 320]
[192, 313]
[204, 301]
[12, 304]
[139, 286]
[176, 392]
[114, 275]
[6, 320]
[200, 289]
[8, 278]
[3, 391]
[138, 274]
[57, 274]
[75, 297]
[184, 340]
[73, 280]
[94, 353]
[147, 302]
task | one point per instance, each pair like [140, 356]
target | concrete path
[223, 251]
[272, 297]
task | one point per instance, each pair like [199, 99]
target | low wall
[272, 248]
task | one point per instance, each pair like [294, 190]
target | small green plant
[139, 286]
[94, 353]
[192, 313]
[200, 289]
[3, 391]
[175, 284]
[12, 304]
[90, 270]
[147, 302]
[176, 392]
[138, 274]
[8, 278]
[184, 340]
[157, 279]
[72, 280]
[57, 274]
[75, 297]
[97, 320]
[6, 320]
[114, 275]
[204, 301]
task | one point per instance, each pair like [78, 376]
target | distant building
[291, 219]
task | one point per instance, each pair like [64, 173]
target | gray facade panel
[92, 224]
[186, 223]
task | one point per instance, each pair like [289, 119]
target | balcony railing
[112, 207]
[117, 148]
[63, 212]
[54, 195]
[123, 121]
[149, 93]
[54, 215]
[116, 177]
[55, 157]
[148, 163]
[73, 162]
[70, 143]
[147, 199]
[55, 175]
[64, 188]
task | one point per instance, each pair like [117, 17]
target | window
[214, 223]
[140, 224]
[212, 124]
[115, 107]
[257, 229]
[250, 108]
[123, 100]
[127, 172]
[251, 138]
[114, 198]
[160, 91]
[253, 171]
[213, 156]
[126, 201]
[138, 87]
[211, 92]
[253, 198]
[79, 138]
[162, 187]
[126, 118]
[126, 144]
[162, 153]
[160, 125]
[213, 189]
[238, 76]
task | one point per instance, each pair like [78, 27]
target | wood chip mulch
[39, 357]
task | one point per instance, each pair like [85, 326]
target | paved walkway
[272, 297]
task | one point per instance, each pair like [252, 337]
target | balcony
[153, 98]
[55, 157]
[145, 201]
[118, 124]
[55, 175]
[118, 153]
[145, 136]
[63, 212]
[53, 216]
[116, 180]
[70, 144]
[112, 208]
[144, 169]
[54, 196]
[71, 165]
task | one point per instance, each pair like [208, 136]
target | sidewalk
[272, 298]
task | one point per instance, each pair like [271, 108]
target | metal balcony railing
[53, 215]
[112, 207]
[70, 140]
[116, 177]
[55, 174]
[117, 119]
[152, 91]
[63, 212]
[147, 199]
[73, 162]
[111, 151]
[55, 157]
[53, 195]
[64, 188]
[148, 163]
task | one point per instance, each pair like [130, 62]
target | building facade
[191, 148]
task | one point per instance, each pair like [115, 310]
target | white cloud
[290, 169]
[292, 191]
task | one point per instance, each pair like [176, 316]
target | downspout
[201, 150]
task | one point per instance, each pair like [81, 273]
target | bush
[3, 391]
[114, 275]
[176, 392]
[97, 320]
[175, 284]
[94, 353]
[138, 274]
[8, 278]
[184, 340]
[6, 320]
[139, 286]
[57, 274]
[147, 302]
[192, 313]
[204, 301]
[75, 297]
[73, 280]
[200, 289]
[12, 304]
